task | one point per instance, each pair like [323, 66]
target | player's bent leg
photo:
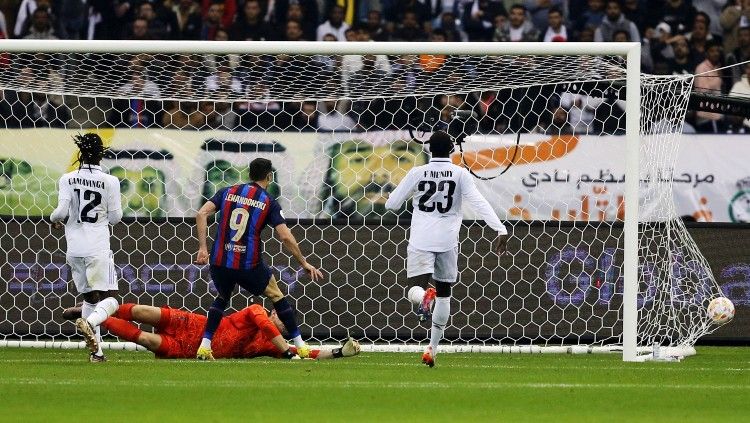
[285, 312]
[421, 297]
[149, 315]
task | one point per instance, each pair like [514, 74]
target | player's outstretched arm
[485, 211]
[114, 201]
[403, 191]
[201, 225]
[287, 238]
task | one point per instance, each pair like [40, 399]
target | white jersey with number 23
[439, 189]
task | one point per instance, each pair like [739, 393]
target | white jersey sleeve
[63, 200]
[480, 204]
[403, 191]
[114, 202]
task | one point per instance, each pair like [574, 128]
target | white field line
[360, 384]
[357, 363]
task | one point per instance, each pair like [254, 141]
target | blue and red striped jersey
[244, 210]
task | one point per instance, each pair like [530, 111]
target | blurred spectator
[586, 35]
[103, 22]
[615, 21]
[740, 54]
[350, 34]
[419, 7]
[592, 16]
[741, 88]
[556, 30]
[223, 83]
[479, 19]
[733, 18]
[678, 14]
[712, 8]
[683, 62]
[3, 28]
[332, 118]
[41, 27]
[25, 10]
[228, 10]
[305, 12]
[139, 30]
[581, 111]
[306, 118]
[189, 20]
[293, 31]
[352, 66]
[334, 25]
[250, 26]
[37, 109]
[708, 79]
[370, 73]
[539, 9]
[135, 111]
[699, 37]
[635, 11]
[212, 21]
[71, 18]
[162, 27]
[451, 27]
[374, 26]
[516, 28]
[559, 124]
[409, 29]
[621, 36]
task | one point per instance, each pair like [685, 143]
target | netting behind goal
[181, 126]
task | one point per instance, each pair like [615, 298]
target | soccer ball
[721, 310]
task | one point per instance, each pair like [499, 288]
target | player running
[439, 188]
[90, 201]
[244, 210]
[248, 333]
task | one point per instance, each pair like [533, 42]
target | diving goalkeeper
[248, 333]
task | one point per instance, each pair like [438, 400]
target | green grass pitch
[60, 385]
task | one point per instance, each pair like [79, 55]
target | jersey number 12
[446, 187]
[94, 198]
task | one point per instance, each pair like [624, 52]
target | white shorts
[93, 273]
[443, 266]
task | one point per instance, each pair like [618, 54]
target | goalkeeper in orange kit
[248, 333]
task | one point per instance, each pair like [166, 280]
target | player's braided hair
[90, 149]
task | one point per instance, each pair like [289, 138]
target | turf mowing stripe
[360, 384]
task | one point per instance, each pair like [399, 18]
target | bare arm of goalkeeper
[483, 208]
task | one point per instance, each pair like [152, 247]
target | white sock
[206, 343]
[440, 316]
[415, 294]
[104, 309]
[298, 342]
[86, 310]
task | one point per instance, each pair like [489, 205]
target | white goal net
[181, 126]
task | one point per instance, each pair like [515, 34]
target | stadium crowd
[678, 37]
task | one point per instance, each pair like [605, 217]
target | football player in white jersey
[438, 189]
[89, 199]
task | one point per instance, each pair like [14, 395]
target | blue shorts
[253, 280]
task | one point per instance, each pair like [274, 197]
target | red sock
[123, 329]
[125, 311]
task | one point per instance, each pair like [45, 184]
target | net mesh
[180, 127]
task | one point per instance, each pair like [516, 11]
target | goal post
[602, 281]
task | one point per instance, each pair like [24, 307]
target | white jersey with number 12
[92, 194]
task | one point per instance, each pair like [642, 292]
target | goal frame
[630, 51]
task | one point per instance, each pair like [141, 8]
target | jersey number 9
[238, 222]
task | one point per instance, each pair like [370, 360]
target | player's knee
[420, 280]
[443, 289]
